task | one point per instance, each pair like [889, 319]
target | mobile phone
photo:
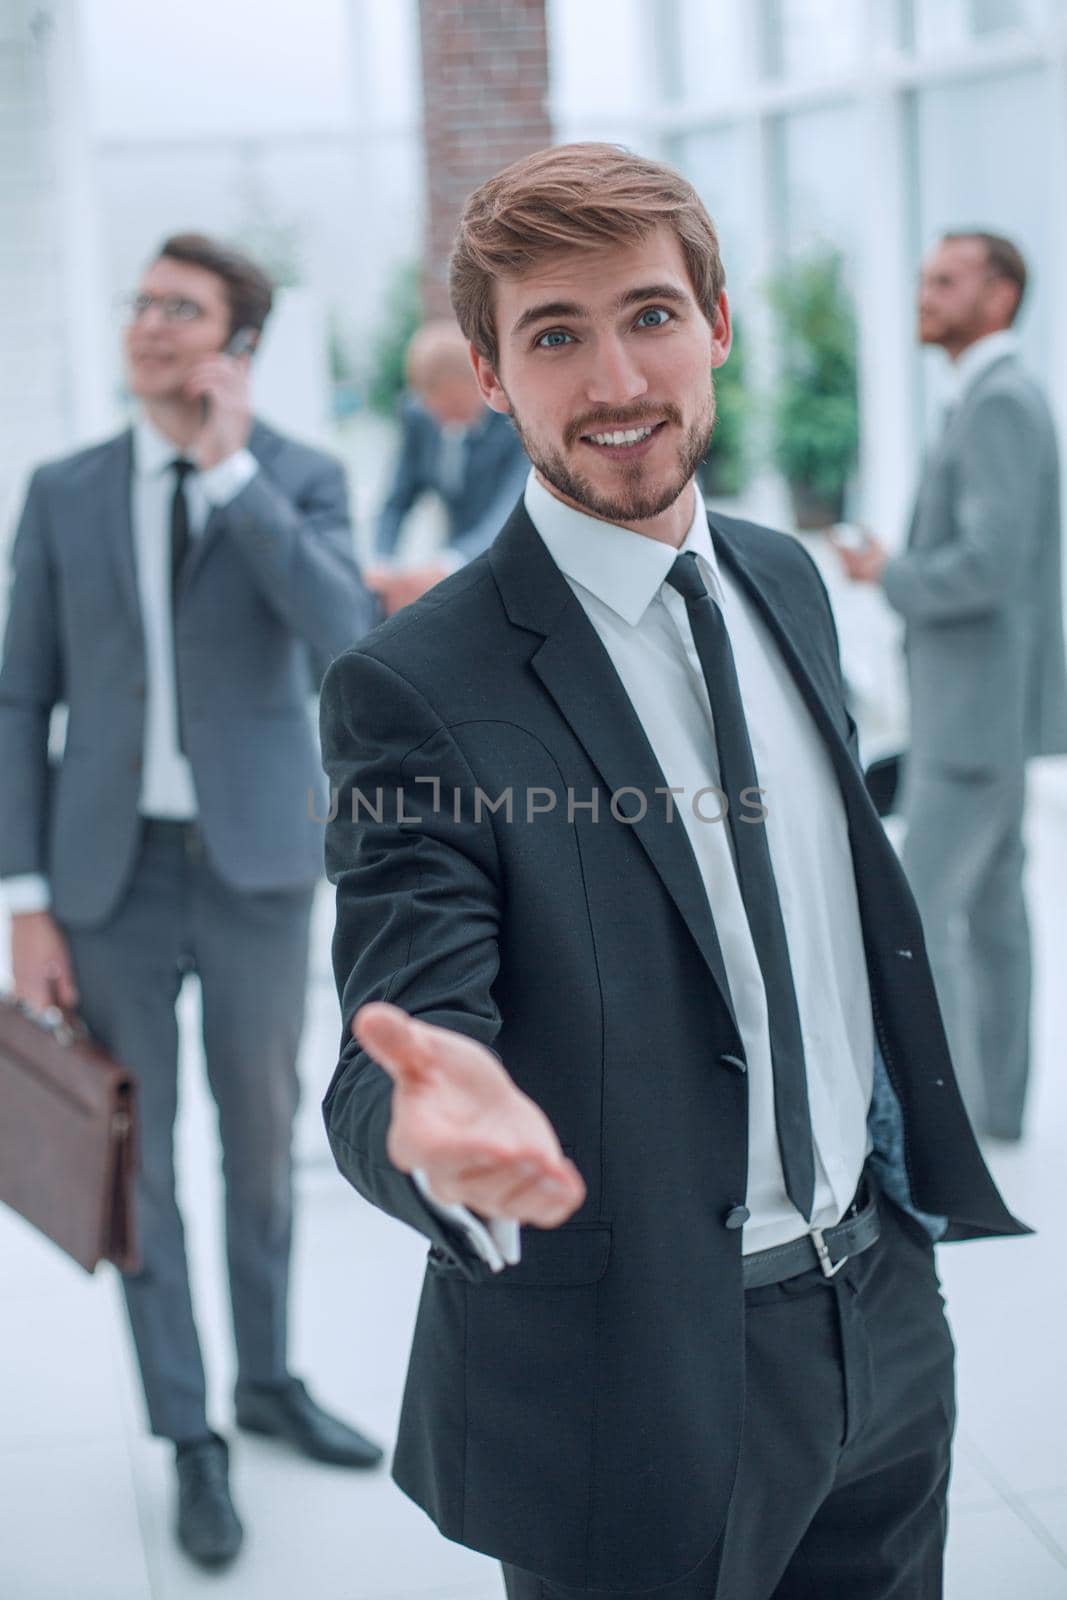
[241, 342]
[238, 344]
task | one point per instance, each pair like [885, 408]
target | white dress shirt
[618, 577]
[450, 456]
[167, 787]
[972, 362]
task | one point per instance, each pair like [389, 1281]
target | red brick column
[484, 85]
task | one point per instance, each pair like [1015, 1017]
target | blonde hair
[572, 197]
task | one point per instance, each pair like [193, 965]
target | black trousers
[849, 1412]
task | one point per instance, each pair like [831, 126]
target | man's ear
[721, 332]
[1003, 296]
[489, 384]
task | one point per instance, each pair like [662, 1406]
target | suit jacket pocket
[551, 1258]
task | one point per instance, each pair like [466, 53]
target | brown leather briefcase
[67, 1136]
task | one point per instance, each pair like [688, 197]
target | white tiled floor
[85, 1497]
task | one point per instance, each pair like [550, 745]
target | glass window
[221, 70]
[950, 23]
[714, 164]
[710, 53]
[977, 143]
[820, 177]
[812, 38]
[996, 16]
[603, 63]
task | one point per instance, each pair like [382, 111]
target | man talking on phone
[181, 589]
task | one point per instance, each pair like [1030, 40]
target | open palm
[459, 1118]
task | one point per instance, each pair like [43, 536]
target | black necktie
[755, 873]
[179, 522]
[179, 548]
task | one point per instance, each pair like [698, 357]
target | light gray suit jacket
[979, 586]
[269, 595]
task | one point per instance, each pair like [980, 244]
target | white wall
[50, 391]
[298, 120]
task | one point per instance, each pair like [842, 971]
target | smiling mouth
[622, 439]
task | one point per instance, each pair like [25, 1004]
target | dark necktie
[179, 549]
[179, 522]
[755, 873]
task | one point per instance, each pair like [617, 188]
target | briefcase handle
[66, 1027]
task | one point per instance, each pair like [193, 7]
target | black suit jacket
[580, 1414]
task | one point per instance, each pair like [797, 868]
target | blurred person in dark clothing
[980, 592]
[181, 588]
[454, 446]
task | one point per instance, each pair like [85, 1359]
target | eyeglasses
[172, 307]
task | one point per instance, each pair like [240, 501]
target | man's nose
[150, 318]
[615, 378]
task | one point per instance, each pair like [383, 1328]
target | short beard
[635, 501]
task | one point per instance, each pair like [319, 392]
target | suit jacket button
[733, 1063]
[736, 1217]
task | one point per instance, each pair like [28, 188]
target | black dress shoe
[209, 1528]
[287, 1411]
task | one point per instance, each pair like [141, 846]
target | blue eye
[554, 339]
[660, 312]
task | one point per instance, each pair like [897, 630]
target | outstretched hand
[460, 1118]
[866, 561]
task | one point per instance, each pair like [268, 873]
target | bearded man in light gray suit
[979, 588]
[181, 589]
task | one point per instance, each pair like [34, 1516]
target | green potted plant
[401, 316]
[816, 409]
[724, 470]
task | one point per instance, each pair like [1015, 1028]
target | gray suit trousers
[250, 952]
[964, 856]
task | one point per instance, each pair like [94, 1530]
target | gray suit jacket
[479, 502]
[269, 595]
[979, 586]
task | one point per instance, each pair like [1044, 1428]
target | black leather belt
[173, 831]
[825, 1248]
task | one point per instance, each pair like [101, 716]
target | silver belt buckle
[830, 1268]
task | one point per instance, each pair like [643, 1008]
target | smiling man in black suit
[656, 983]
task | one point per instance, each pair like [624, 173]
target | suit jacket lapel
[942, 448]
[793, 617]
[577, 672]
[263, 443]
[116, 469]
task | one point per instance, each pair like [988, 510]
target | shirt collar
[622, 568]
[978, 357]
[153, 452]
